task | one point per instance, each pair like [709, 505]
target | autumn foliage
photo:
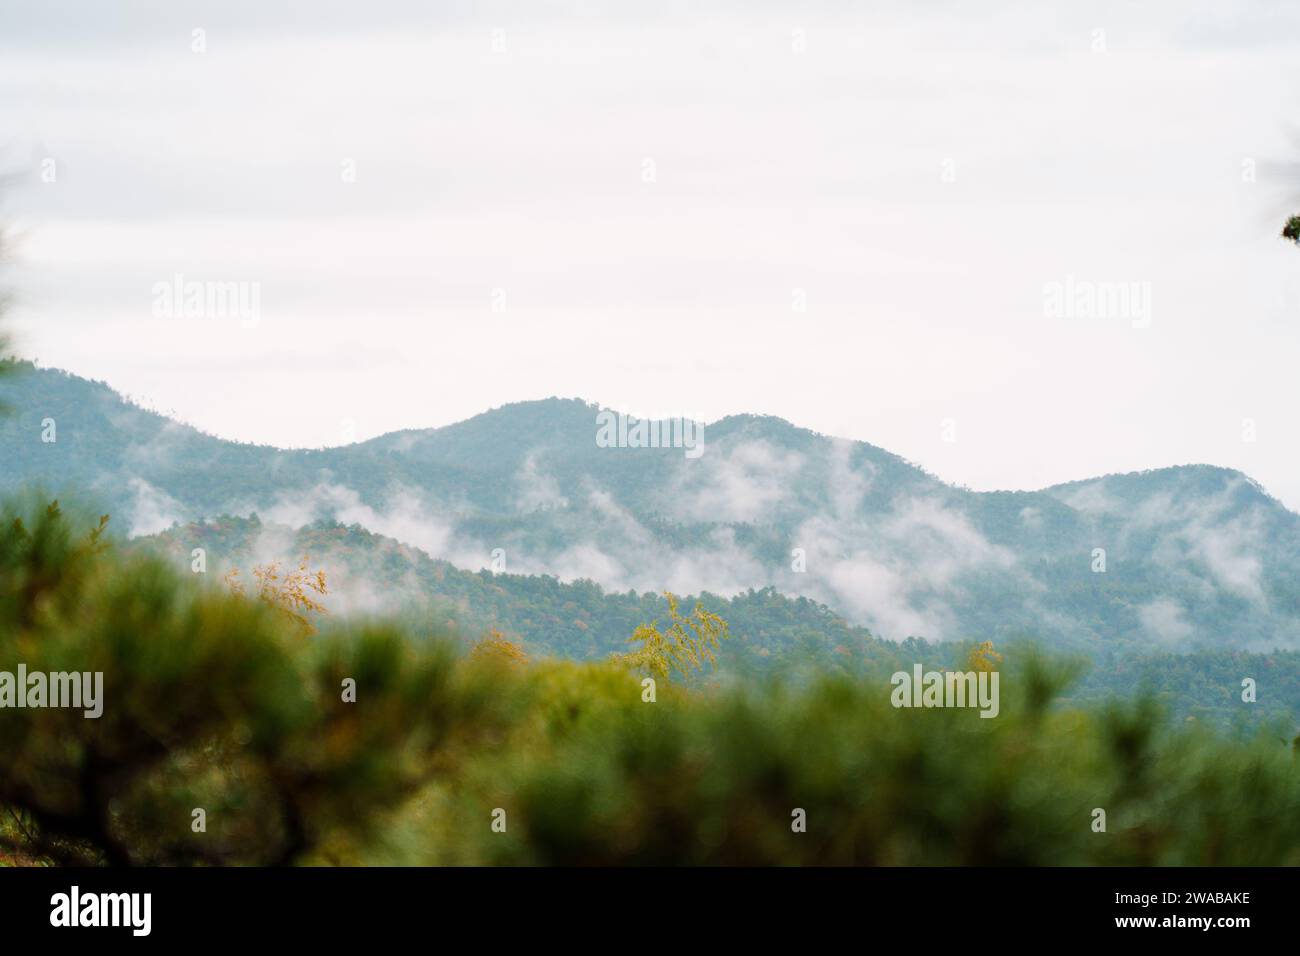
[687, 645]
[374, 745]
[292, 593]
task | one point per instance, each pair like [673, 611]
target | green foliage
[1292, 230]
[470, 475]
[769, 632]
[214, 702]
[578, 620]
[209, 701]
[716, 779]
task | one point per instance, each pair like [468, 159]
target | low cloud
[151, 509]
[537, 491]
[740, 483]
[1165, 621]
[406, 517]
[916, 565]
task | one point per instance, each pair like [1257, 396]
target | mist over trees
[503, 718]
[228, 737]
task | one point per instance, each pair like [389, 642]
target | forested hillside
[771, 634]
[1184, 558]
[365, 743]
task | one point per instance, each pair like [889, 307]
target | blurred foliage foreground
[231, 737]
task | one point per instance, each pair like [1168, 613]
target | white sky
[481, 169]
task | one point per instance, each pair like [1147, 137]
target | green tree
[222, 737]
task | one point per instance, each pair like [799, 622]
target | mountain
[371, 574]
[1194, 556]
[770, 633]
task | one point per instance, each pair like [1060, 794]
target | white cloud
[1165, 621]
[152, 510]
[738, 482]
[406, 517]
[538, 491]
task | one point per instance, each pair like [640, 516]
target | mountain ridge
[171, 420]
[771, 633]
[1183, 556]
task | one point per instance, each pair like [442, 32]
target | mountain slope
[372, 574]
[770, 633]
[1194, 556]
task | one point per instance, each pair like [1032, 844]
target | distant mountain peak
[1173, 557]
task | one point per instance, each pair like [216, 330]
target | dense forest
[772, 633]
[378, 704]
[229, 735]
[1187, 558]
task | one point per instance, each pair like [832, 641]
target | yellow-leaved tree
[983, 658]
[495, 647]
[290, 593]
[688, 643]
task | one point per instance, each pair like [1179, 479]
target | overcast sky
[848, 215]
